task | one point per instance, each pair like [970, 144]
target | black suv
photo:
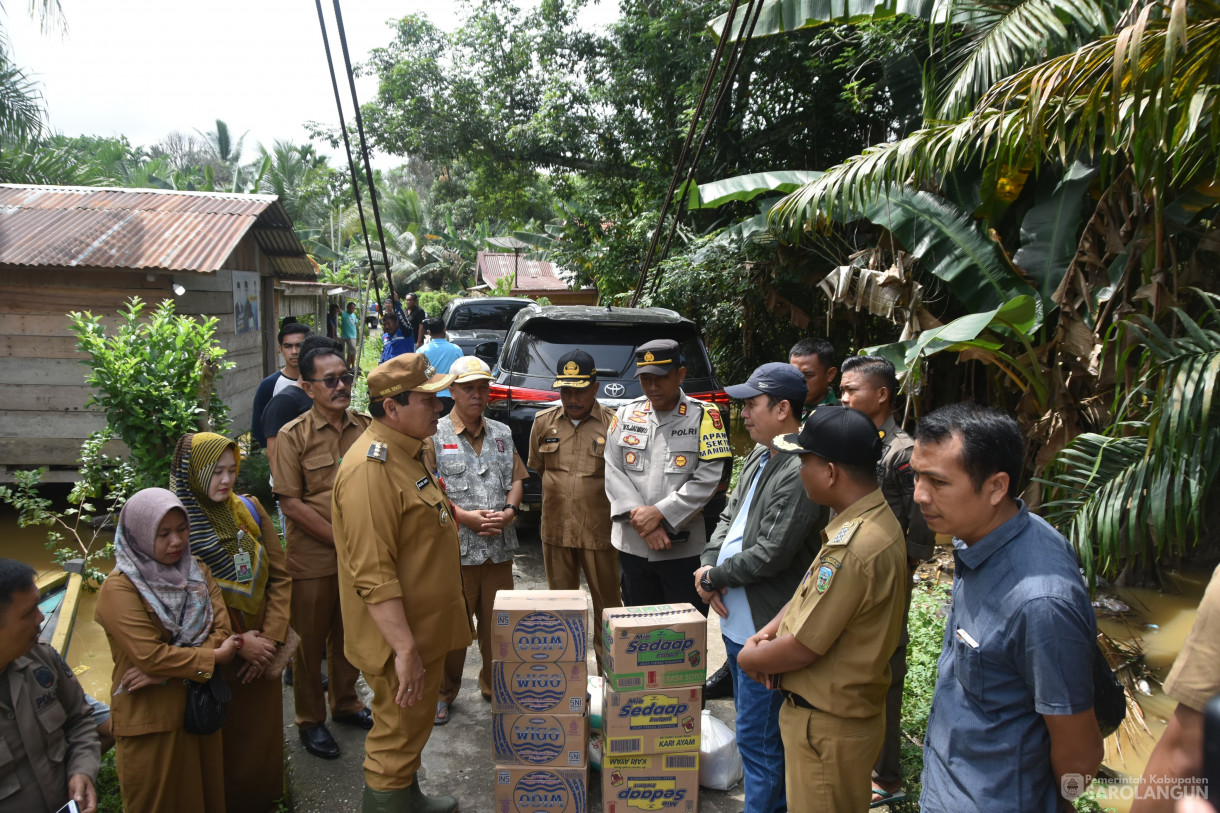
[474, 321]
[540, 336]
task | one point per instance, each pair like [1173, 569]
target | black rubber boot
[419, 803]
[386, 801]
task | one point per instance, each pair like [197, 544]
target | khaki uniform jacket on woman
[137, 638]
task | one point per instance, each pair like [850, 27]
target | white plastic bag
[719, 760]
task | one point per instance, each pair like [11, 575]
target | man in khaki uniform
[568, 447]
[48, 741]
[869, 384]
[828, 650]
[400, 582]
[1176, 763]
[307, 454]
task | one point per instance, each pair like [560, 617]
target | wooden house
[83, 249]
[530, 278]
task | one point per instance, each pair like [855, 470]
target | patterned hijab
[177, 593]
[220, 530]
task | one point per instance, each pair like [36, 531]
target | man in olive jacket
[766, 539]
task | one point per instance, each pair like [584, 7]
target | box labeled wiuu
[530, 789]
[538, 688]
[654, 647]
[667, 782]
[540, 626]
[652, 721]
[550, 740]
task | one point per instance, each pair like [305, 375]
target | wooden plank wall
[43, 418]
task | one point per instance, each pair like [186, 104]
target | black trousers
[670, 581]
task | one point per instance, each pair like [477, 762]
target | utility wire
[347, 145]
[690, 137]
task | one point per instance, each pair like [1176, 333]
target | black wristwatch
[705, 582]
[509, 505]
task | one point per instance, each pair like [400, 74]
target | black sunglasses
[331, 383]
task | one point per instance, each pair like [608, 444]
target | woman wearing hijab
[166, 623]
[234, 537]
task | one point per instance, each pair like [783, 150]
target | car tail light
[500, 393]
[717, 397]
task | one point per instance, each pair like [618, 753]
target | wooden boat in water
[59, 599]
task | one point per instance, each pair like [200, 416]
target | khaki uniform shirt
[897, 480]
[47, 733]
[1194, 678]
[672, 461]
[572, 462]
[849, 609]
[307, 454]
[396, 540]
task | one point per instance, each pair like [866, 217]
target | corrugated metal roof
[532, 275]
[85, 227]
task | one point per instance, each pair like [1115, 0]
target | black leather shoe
[319, 742]
[719, 685]
[361, 719]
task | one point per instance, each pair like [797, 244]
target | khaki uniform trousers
[480, 583]
[563, 569]
[828, 759]
[317, 619]
[394, 747]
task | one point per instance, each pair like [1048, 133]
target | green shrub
[433, 302]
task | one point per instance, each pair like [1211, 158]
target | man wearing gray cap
[665, 455]
[828, 650]
[767, 535]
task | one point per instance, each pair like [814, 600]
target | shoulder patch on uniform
[825, 574]
[906, 476]
[846, 532]
[613, 424]
[45, 677]
[378, 451]
[713, 440]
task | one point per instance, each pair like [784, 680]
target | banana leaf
[783, 16]
[745, 187]
[1050, 230]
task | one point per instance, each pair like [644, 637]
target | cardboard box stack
[540, 721]
[656, 662]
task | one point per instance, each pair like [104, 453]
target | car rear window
[542, 343]
[484, 316]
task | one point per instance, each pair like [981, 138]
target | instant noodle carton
[654, 647]
[528, 789]
[665, 782]
[540, 739]
[540, 626]
[538, 688]
[652, 721]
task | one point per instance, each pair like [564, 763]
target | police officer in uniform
[869, 384]
[400, 582]
[567, 447]
[49, 750]
[665, 455]
[828, 650]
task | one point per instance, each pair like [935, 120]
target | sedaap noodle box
[665, 782]
[654, 647]
[530, 789]
[540, 739]
[540, 626]
[652, 721]
[538, 688]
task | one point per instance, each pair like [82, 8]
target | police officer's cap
[409, 371]
[575, 370]
[657, 357]
[838, 434]
[776, 378]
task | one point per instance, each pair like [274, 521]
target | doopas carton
[653, 721]
[654, 647]
[522, 789]
[538, 688]
[540, 626]
[668, 782]
[540, 739]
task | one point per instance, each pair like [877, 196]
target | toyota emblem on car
[614, 390]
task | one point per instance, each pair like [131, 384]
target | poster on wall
[245, 302]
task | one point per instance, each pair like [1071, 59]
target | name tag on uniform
[243, 566]
[550, 440]
[420, 483]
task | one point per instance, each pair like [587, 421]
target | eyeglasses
[331, 383]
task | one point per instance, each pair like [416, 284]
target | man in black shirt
[290, 339]
[415, 317]
[292, 401]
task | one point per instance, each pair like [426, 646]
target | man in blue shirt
[441, 353]
[396, 338]
[767, 536]
[1012, 726]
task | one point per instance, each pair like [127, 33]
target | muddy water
[88, 649]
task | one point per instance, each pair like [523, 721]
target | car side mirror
[488, 352]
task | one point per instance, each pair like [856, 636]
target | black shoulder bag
[205, 705]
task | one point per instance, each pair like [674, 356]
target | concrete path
[458, 758]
